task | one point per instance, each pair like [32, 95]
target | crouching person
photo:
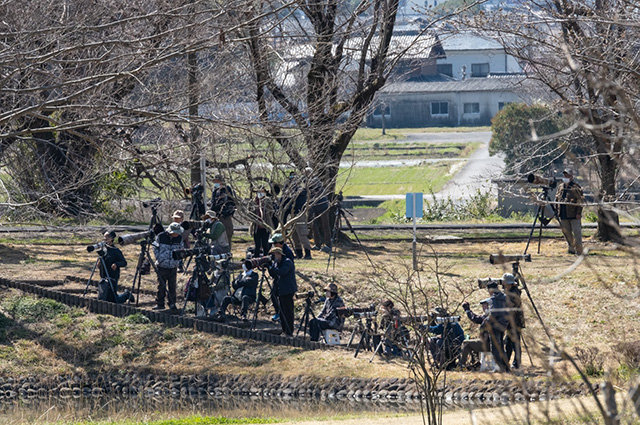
[445, 348]
[328, 317]
[112, 261]
[245, 286]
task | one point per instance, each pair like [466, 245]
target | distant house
[443, 102]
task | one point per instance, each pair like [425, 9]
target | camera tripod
[145, 256]
[304, 321]
[197, 204]
[335, 232]
[543, 202]
[259, 296]
[365, 331]
[106, 273]
[224, 277]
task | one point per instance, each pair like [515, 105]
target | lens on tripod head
[99, 245]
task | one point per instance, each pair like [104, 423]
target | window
[439, 108]
[471, 108]
[501, 105]
[379, 109]
[479, 69]
[446, 69]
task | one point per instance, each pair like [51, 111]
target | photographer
[223, 204]
[166, 242]
[278, 241]
[477, 345]
[245, 286]
[569, 199]
[296, 194]
[112, 259]
[215, 231]
[283, 272]
[178, 217]
[395, 334]
[445, 348]
[328, 317]
[495, 322]
[264, 210]
[515, 318]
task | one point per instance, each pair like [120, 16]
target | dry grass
[593, 305]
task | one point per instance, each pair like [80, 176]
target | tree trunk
[193, 89]
[608, 220]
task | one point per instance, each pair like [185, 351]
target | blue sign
[414, 203]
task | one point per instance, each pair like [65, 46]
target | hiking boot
[307, 254]
[326, 249]
[130, 297]
[275, 317]
[298, 253]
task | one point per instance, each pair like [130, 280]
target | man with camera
[110, 262]
[245, 286]
[283, 272]
[223, 204]
[166, 242]
[215, 232]
[569, 199]
[477, 345]
[445, 348]
[328, 317]
[495, 322]
[515, 318]
[395, 335]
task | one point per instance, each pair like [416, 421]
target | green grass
[392, 150]
[393, 180]
[372, 134]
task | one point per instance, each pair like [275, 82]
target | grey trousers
[572, 231]
[300, 235]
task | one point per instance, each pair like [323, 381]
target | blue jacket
[454, 335]
[248, 283]
[498, 311]
[284, 275]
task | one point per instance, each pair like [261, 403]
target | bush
[628, 354]
[29, 309]
[591, 359]
[137, 319]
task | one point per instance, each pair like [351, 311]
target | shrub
[628, 354]
[137, 319]
[591, 359]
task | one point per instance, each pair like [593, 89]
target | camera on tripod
[263, 261]
[97, 246]
[483, 283]
[511, 258]
[358, 312]
[447, 319]
[542, 181]
[153, 203]
[135, 237]
[305, 295]
[196, 190]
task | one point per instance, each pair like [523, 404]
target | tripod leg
[533, 228]
[255, 311]
[86, 289]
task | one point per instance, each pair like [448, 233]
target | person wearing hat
[445, 348]
[110, 262]
[395, 335]
[223, 204]
[328, 317]
[283, 272]
[264, 211]
[515, 318]
[569, 200]
[165, 243]
[215, 232]
[245, 286]
[178, 217]
[277, 239]
[477, 345]
[495, 322]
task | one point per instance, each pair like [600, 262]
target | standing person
[166, 242]
[264, 211]
[328, 317]
[215, 231]
[178, 217]
[113, 262]
[278, 241]
[223, 204]
[495, 321]
[515, 318]
[476, 345]
[283, 272]
[319, 212]
[569, 199]
[295, 201]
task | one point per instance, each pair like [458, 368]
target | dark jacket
[288, 253]
[248, 283]
[330, 314]
[222, 201]
[163, 248]
[497, 316]
[452, 333]
[514, 303]
[284, 275]
[111, 256]
[570, 198]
